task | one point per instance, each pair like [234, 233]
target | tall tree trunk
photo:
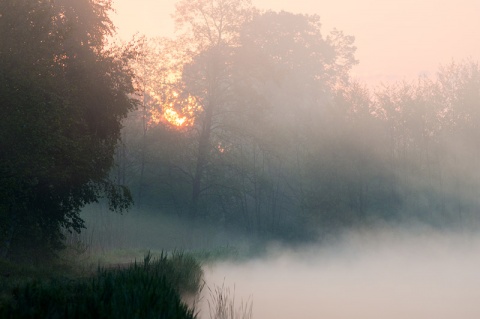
[202, 159]
[143, 150]
[206, 130]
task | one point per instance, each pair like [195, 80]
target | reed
[222, 304]
[148, 289]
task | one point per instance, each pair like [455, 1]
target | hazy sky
[396, 39]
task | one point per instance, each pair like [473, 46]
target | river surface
[383, 274]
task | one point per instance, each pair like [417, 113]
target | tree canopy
[261, 81]
[280, 141]
[63, 96]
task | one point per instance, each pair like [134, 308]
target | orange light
[174, 118]
[221, 148]
[175, 111]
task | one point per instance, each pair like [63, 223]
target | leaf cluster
[63, 97]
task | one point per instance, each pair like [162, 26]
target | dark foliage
[145, 290]
[62, 98]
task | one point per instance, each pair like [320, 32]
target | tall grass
[150, 289]
[222, 305]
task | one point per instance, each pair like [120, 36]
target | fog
[408, 270]
[255, 134]
[388, 273]
[338, 199]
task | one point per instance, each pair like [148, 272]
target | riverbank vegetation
[151, 288]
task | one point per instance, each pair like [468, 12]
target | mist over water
[381, 274]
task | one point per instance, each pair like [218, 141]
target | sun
[174, 118]
[176, 111]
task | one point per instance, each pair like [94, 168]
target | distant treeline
[257, 126]
[246, 119]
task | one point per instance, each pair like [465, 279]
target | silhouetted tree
[63, 97]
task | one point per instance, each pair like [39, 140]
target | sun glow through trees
[175, 110]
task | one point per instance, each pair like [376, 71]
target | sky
[396, 39]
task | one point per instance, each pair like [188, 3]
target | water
[381, 274]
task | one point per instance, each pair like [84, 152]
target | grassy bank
[148, 289]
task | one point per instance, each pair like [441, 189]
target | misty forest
[132, 174]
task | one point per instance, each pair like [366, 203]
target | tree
[262, 83]
[213, 27]
[285, 75]
[63, 96]
[430, 147]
